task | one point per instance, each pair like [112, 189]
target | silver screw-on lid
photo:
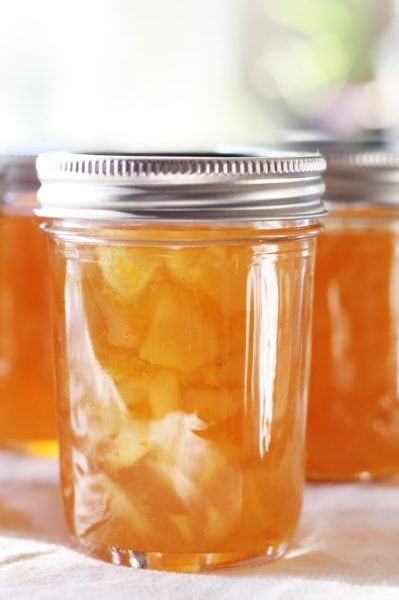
[365, 171]
[283, 185]
[363, 174]
[18, 172]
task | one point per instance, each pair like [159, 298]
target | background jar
[183, 292]
[353, 422]
[27, 399]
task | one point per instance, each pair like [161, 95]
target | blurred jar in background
[27, 399]
[353, 422]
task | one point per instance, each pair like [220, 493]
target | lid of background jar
[18, 172]
[362, 173]
[277, 185]
[358, 171]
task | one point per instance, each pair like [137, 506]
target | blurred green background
[156, 74]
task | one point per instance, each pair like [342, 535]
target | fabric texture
[346, 547]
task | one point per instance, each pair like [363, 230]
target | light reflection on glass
[264, 297]
[341, 336]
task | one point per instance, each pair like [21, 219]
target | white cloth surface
[346, 548]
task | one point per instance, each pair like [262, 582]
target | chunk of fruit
[212, 406]
[228, 371]
[134, 392]
[128, 270]
[218, 271]
[99, 418]
[164, 394]
[122, 364]
[131, 444]
[151, 396]
[181, 336]
[123, 326]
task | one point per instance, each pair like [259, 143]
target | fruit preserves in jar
[183, 395]
[353, 423]
[27, 406]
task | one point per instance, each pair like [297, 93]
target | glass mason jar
[353, 422]
[183, 289]
[27, 402]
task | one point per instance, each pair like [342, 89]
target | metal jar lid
[361, 173]
[19, 172]
[282, 185]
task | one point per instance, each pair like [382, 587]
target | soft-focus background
[168, 74]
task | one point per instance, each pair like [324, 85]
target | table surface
[346, 547]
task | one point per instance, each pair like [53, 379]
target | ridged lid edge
[374, 159]
[66, 166]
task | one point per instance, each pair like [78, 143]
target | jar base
[183, 562]
[38, 448]
[356, 476]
